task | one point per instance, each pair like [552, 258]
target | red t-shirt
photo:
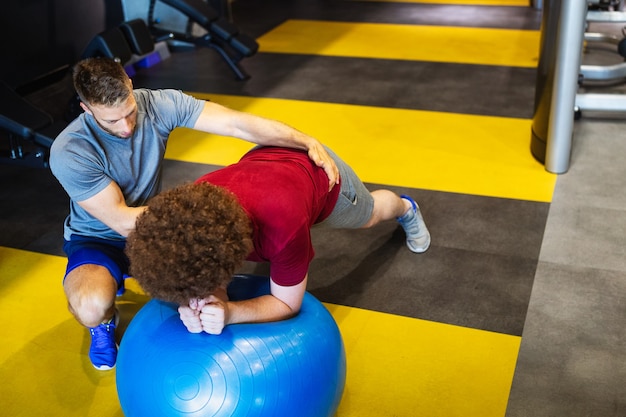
[284, 193]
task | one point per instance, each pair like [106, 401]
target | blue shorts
[110, 254]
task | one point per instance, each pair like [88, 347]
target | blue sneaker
[417, 235]
[103, 350]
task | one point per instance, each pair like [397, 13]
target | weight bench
[29, 129]
[122, 42]
[220, 35]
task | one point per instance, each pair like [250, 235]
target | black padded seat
[110, 43]
[138, 36]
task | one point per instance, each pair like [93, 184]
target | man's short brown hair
[101, 81]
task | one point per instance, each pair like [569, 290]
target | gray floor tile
[573, 356]
[587, 222]
[585, 236]
[597, 174]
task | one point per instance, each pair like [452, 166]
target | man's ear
[85, 108]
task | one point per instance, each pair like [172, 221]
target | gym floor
[517, 309]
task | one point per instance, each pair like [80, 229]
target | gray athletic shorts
[355, 203]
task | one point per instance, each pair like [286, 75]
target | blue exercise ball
[295, 367]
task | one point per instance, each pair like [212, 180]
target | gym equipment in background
[215, 31]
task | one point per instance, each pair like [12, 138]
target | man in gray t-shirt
[109, 161]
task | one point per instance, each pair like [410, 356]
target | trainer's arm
[223, 121]
[110, 208]
[282, 303]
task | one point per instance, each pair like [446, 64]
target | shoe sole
[419, 250]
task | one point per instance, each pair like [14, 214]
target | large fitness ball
[295, 367]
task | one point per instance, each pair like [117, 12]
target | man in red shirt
[188, 244]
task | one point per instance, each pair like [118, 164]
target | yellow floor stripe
[449, 152]
[461, 45]
[520, 3]
[399, 366]
[396, 366]
[42, 369]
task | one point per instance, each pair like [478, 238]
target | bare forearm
[228, 122]
[211, 314]
[109, 207]
[223, 121]
[279, 134]
[274, 133]
[268, 132]
[126, 223]
[262, 309]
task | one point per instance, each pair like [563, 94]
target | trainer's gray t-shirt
[85, 158]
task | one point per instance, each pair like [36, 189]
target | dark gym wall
[40, 36]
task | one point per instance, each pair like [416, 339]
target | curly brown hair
[188, 242]
[101, 81]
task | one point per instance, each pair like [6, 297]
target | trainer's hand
[322, 159]
[214, 315]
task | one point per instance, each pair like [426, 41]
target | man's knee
[90, 292]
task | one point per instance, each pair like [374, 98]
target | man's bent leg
[387, 206]
[90, 291]
[95, 273]
[357, 207]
